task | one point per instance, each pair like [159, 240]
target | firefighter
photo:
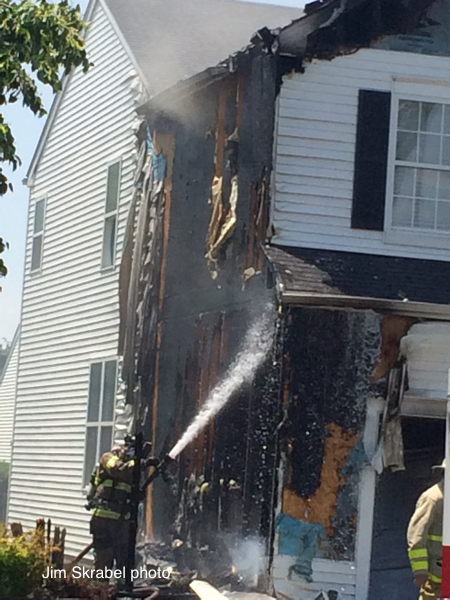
[425, 540]
[109, 496]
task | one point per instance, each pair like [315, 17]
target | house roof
[333, 273]
[172, 40]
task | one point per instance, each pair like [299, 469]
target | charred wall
[330, 357]
[213, 281]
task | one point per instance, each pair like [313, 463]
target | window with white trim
[100, 413]
[110, 221]
[38, 235]
[421, 181]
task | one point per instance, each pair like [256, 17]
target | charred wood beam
[412, 309]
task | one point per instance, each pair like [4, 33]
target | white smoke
[249, 558]
[257, 343]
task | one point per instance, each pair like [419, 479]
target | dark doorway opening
[396, 496]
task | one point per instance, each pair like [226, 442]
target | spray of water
[257, 343]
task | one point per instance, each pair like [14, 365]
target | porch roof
[335, 278]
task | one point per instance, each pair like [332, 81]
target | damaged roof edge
[293, 38]
[290, 40]
[408, 308]
[336, 27]
[184, 88]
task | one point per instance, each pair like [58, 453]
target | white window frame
[420, 90]
[112, 213]
[99, 423]
[40, 233]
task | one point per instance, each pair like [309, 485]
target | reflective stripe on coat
[425, 535]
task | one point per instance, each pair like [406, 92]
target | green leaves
[3, 269]
[41, 38]
[23, 560]
[38, 39]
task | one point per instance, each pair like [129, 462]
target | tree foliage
[23, 560]
[37, 40]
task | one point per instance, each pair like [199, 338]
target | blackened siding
[204, 319]
[330, 360]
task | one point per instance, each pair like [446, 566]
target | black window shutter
[371, 154]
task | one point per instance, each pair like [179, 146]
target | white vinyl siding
[339, 576]
[71, 311]
[315, 150]
[7, 401]
[427, 349]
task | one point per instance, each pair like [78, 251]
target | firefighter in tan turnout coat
[109, 498]
[425, 541]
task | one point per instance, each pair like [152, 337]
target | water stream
[256, 345]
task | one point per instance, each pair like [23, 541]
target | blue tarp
[159, 162]
[301, 540]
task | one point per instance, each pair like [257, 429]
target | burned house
[61, 403]
[309, 170]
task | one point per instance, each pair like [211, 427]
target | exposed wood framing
[224, 202]
[127, 276]
[164, 144]
[259, 207]
[202, 371]
[393, 328]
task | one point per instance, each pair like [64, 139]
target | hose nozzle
[159, 470]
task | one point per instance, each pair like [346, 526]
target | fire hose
[137, 451]
[137, 494]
